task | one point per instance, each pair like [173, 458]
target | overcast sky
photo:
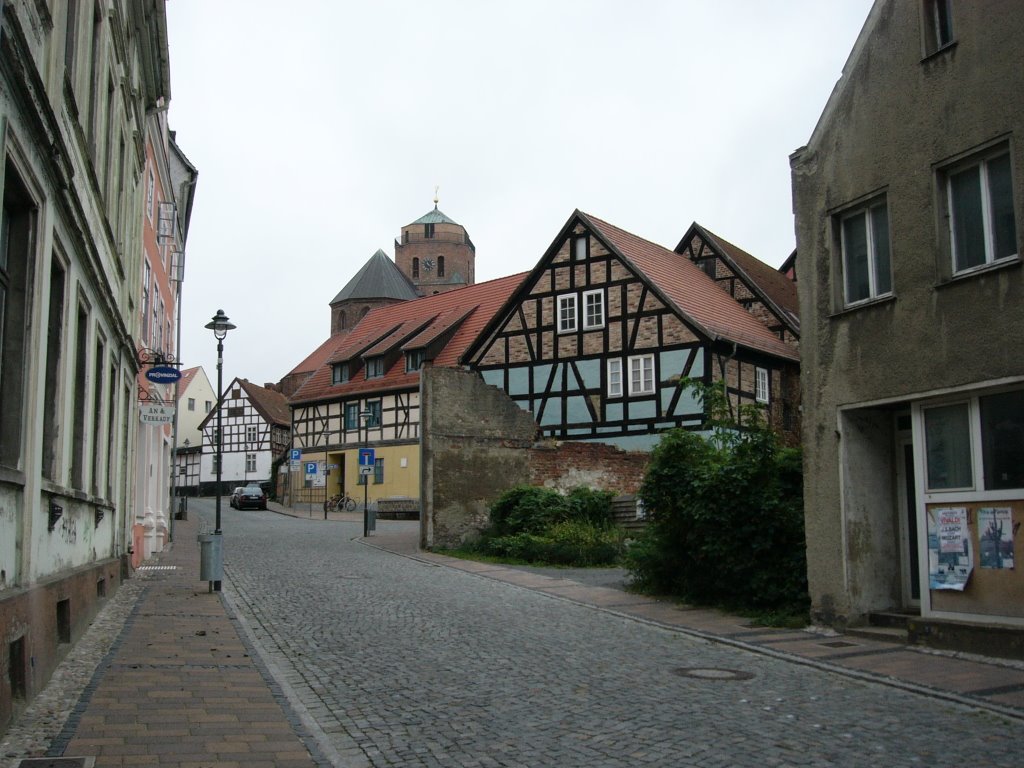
[320, 128]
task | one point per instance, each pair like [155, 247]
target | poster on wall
[949, 548]
[995, 537]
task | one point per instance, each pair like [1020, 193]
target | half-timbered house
[597, 339]
[255, 424]
[374, 370]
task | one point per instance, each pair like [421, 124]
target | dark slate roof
[434, 217]
[378, 279]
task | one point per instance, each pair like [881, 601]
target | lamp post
[220, 325]
[365, 417]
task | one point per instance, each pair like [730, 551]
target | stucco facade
[76, 84]
[908, 211]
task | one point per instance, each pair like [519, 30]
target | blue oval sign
[163, 374]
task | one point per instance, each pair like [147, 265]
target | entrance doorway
[906, 491]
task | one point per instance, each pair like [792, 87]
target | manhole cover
[713, 673]
[839, 644]
[57, 762]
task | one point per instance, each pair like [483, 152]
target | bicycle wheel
[328, 507]
[350, 504]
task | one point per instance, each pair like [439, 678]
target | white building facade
[77, 81]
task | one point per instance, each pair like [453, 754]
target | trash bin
[371, 519]
[211, 557]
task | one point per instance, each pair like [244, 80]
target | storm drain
[157, 568]
[713, 673]
[57, 762]
[839, 644]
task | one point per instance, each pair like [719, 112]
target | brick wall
[477, 444]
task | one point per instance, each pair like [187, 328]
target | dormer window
[339, 373]
[374, 367]
[413, 360]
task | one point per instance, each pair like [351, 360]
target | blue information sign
[366, 457]
[311, 467]
[296, 454]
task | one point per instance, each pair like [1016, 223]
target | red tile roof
[776, 286]
[186, 378]
[693, 293]
[319, 356]
[469, 308]
[272, 405]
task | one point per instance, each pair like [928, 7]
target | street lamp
[220, 325]
[365, 417]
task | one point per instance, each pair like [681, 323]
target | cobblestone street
[396, 662]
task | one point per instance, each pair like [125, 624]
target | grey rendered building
[908, 201]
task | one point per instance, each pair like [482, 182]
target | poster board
[992, 534]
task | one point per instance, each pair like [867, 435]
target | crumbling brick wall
[477, 443]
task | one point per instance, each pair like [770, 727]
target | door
[906, 491]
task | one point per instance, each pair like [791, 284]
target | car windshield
[253, 489]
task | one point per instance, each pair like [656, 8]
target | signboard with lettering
[156, 414]
[163, 374]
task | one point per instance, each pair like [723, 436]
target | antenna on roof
[435, 195]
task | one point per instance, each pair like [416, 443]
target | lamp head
[220, 325]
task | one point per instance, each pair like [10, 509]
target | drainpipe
[722, 362]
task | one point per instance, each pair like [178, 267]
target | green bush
[540, 525]
[526, 509]
[726, 518]
[573, 542]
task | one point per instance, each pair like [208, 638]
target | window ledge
[879, 300]
[995, 266]
[12, 476]
[939, 52]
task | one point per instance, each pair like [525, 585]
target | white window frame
[588, 324]
[761, 387]
[874, 270]
[150, 194]
[250, 462]
[615, 377]
[982, 163]
[977, 489]
[251, 433]
[647, 377]
[565, 308]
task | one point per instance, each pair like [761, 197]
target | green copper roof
[434, 217]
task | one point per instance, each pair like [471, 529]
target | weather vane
[435, 195]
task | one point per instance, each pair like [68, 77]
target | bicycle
[340, 501]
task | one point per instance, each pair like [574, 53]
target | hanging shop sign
[163, 374]
[156, 414]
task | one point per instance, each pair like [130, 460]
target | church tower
[436, 254]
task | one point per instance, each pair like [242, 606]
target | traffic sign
[366, 457]
[296, 454]
[311, 467]
[366, 470]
